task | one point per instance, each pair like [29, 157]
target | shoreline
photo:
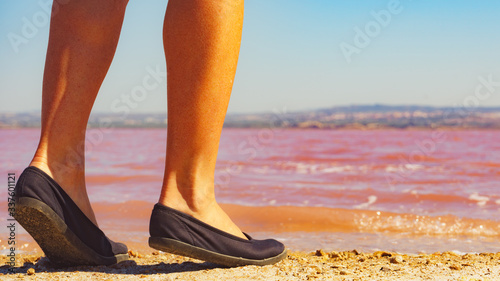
[307, 229]
[288, 218]
[318, 265]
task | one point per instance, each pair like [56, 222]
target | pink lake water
[330, 189]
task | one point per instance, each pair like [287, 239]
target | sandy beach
[318, 265]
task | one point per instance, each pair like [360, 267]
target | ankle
[70, 175]
[188, 198]
[71, 178]
[187, 203]
[65, 162]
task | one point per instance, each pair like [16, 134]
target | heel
[59, 243]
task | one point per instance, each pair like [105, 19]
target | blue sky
[293, 54]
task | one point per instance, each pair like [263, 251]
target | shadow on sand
[125, 267]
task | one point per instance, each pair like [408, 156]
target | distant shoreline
[350, 127]
[346, 117]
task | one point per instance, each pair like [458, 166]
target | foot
[61, 229]
[72, 182]
[177, 233]
[211, 213]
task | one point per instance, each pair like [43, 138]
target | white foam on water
[371, 200]
[481, 200]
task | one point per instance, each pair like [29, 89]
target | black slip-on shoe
[61, 229]
[178, 233]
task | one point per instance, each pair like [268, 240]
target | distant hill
[373, 117]
[350, 117]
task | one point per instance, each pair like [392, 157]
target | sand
[318, 265]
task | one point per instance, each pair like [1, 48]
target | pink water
[390, 189]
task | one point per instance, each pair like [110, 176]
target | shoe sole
[57, 241]
[184, 249]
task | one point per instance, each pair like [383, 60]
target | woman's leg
[202, 41]
[82, 42]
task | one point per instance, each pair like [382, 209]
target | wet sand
[146, 264]
[134, 216]
[309, 228]
[319, 265]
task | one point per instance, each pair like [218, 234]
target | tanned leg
[82, 42]
[202, 41]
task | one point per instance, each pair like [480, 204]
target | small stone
[380, 254]
[385, 269]
[155, 253]
[468, 257]
[342, 272]
[320, 253]
[31, 259]
[455, 267]
[317, 269]
[31, 271]
[396, 259]
[132, 253]
[334, 255]
[450, 254]
[346, 255]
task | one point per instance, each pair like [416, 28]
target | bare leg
[202, 42]
[82, 43]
